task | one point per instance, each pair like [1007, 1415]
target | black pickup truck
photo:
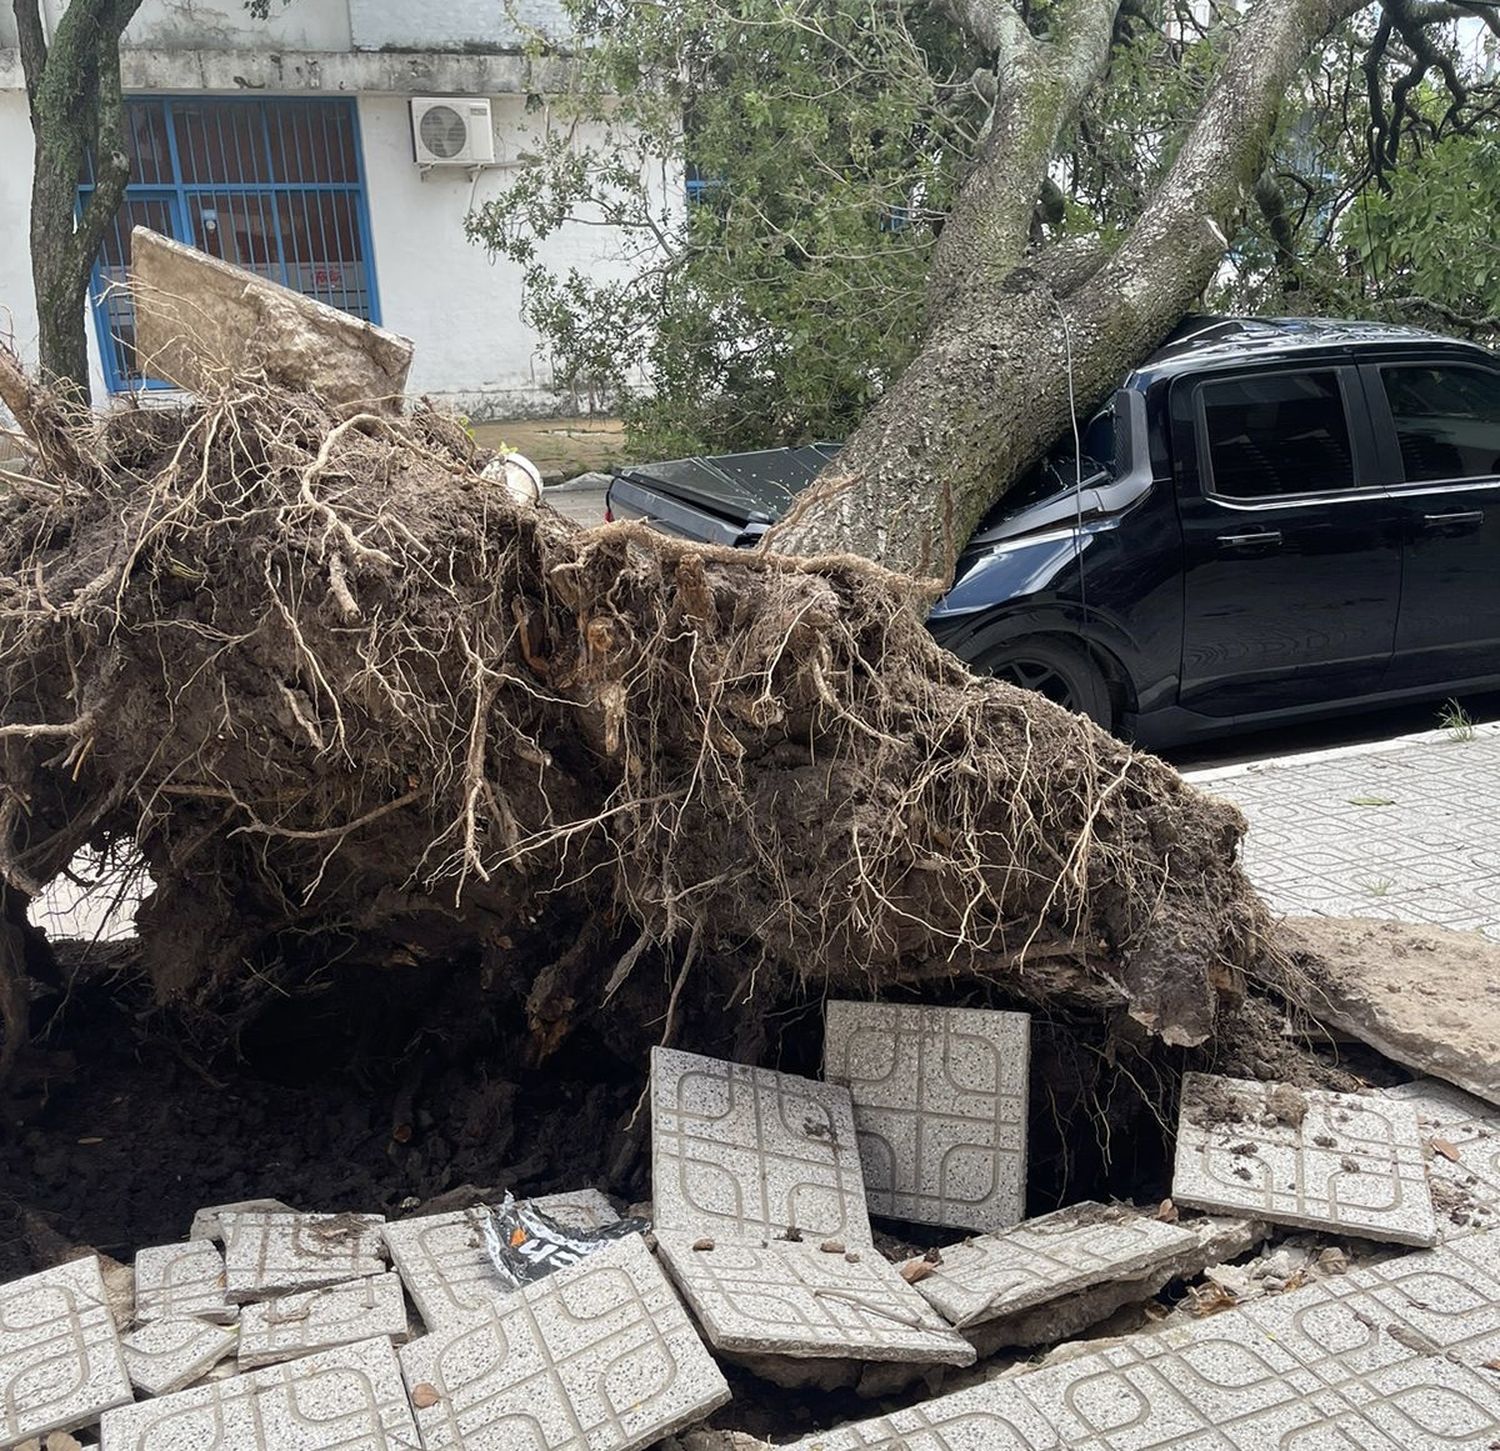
[1271, 519]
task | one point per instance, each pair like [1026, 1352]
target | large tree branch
[32, 38]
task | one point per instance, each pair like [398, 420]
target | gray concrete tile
[748, 1153]
[348, 1399]
[1465, 1191]
[60, 1361]
[801, 1301]
[444, 1264]
[597, 1357]
[309, 1320]
[206, 1223]
[182, 1281]
[1062, 1253]
[268, 1254]
[940, 1100]
[994, 1416]
[166, 1355]
[1345, 1163]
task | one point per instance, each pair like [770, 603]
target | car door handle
[1261, 539]
[1469, 519]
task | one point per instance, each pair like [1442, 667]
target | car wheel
[1064, 673]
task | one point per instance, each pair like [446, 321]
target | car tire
[1065, 673]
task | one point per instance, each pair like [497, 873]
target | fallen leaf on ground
[1447, 1150]
[915, 1270]
[424, 1396]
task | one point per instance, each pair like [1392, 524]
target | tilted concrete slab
[940, 1099]
[597, 1357]
[60, 1359]
[310, 1320]
[1466, 1188]
[337, 1400]
[801, 1301]
[166, 1355]
[446, 1268]
[206, 1223]
[748, 1153]
[1044, 1259]
[270, 1254]
[1345, 1163]
[1389, 1358]
[178, 1281]
[199, 320]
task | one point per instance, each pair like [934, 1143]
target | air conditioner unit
[452, 131]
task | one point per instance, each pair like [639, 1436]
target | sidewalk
[1406, 829]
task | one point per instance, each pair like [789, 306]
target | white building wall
[219, 24]
[490, 24]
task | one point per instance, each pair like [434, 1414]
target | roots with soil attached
[356, 708]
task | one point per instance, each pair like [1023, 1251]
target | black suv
[1272, 519]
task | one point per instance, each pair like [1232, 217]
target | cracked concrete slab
[1313, 1159]
[940, 1099]
[747, 1153]
[998, 1276]
[1462, 1134]
[804, 1302]
[60, 1359]
[447, 1270]
[599, 1356]
[337, 1400]
[166, 1355]
[182, 1281]
[309, 1320]
[267, 1254]
[206, 1224]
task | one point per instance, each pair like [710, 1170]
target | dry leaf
[1167, 1213]
[915, 1271]
[1492, 1365]
[1447, 1150]
[424, 1396]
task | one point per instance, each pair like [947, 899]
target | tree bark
[77, 111]
[990, 389]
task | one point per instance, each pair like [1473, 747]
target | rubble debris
[603, 1347]
[199, 320]
[182, 1281]
[163, 1356]
[351, 1396]
[446, 1267]
[309, 1320]
[1426, 997]
[1301, 1260]
[794, 1301]
[268, 1254]
[1391, 1355]
[1345, 1163]
[60, 1359]
[748, 1153]
[1466, 1183]
[206, 1223]
[1042, 1260]
[940, 1106]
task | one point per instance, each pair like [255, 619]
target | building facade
[287, 145]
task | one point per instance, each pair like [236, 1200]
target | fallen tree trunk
[352, 704]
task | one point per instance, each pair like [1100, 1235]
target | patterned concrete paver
[803, 1301]
[165, 1355]
[269, 1254]
[1463, 1140]
[1341, 1162]
[298, 1324]
[1406, 831]
[174, 1281]
[1391, 1358]
[596, 1357]
[748, 1153]
[939, 1107]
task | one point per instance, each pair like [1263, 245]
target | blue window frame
[273, 184]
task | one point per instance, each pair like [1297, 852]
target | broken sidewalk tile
[165, 1355]
[310, 1320]
[1345, 1163]
[747, 1153]
[337, 1400]
[940, 1100]
[60, 1360]
[206, 1223]
[1044, 1259]
[447, 1270]
[598, 1357]
[1463, 1168]
[268, 1254]
[180, 1281]
[199, 319]
[801, 1301]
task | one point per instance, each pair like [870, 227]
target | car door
[1439, 426]
[1292, 556]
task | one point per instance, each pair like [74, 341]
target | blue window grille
[272, 185]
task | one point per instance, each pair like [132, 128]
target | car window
[1277, 433]
[1447, 420]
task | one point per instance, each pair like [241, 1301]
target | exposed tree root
[352, 704]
